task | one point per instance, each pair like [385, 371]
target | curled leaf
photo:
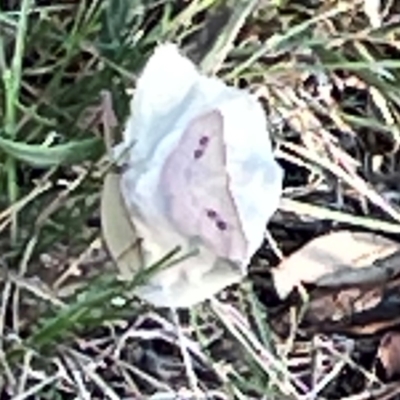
[118, 230]
[337, 259]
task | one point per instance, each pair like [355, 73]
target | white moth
[200, 173]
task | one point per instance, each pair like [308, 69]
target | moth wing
[196, 183]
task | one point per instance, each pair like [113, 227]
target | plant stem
[12, 83]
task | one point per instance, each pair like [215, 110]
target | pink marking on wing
[194, 185]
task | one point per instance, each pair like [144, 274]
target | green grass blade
[42, 156]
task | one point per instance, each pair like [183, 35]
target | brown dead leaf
[367, 323]
[389, 353]
[337, 259]
[339, 304]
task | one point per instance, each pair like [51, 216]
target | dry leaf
[371, 321]
[369, 309]
[337, 259]
[118, 230]
[389, 353]
[337, 305]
